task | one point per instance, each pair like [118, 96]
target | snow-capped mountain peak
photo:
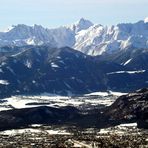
[83, 35]
[82, 24]
[100, 39]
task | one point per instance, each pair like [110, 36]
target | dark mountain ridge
[43, 69]
[38, 69]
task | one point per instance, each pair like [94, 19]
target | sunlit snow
[4, 82]
[127, 62]
[33, 130]
[129, 72]
[53, 100]
[54, 65]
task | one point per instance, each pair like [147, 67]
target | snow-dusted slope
[82, 35]
[26, 35]
[99, 39]
[82, 24]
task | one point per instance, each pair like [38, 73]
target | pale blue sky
[53, 13]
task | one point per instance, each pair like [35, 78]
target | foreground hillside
[128, 108]
[39, 69]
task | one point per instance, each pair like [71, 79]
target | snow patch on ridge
[127, 62]
[54, 65]
[4, 82]
[129, 72]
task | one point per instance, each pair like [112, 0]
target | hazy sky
[53, 13]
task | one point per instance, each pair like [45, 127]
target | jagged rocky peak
[83, 36]
[20, 27]
[82, 24]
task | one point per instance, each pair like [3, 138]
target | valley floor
[41, 136]
[88, 101]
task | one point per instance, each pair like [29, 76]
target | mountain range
[39, 69]
[84, 36]
[74, 59]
